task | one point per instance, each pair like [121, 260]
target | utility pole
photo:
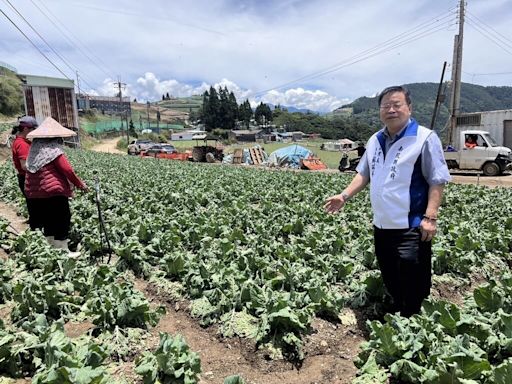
[158, 119]
[120, 87]
[77, 84]
[148, 104]
[439, 99]
[456, 74]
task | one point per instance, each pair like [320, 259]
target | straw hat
[50, 128]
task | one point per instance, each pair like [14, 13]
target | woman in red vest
[20, 149]
[48, 183]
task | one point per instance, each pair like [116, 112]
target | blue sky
[316, 54]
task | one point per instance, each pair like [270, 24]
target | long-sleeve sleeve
[63, 166]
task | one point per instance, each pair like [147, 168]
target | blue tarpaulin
[289, 156]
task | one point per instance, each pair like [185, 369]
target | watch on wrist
[345, 196]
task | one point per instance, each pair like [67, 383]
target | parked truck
[497, 123]
[477, 150]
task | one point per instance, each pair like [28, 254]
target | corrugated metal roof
[245, 132]
[43, 81]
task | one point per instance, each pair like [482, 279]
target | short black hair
[396, 88]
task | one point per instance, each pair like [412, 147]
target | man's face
[394, 111]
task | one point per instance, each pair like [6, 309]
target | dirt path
[18, 223]
[108, 146]
[504, 180]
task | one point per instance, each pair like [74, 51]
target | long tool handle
[103, 229]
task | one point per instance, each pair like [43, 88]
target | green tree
[263, 110]
[245, 113]
[212, 110]
[223, 117]
[233, 110]
[204, 110]
[11, 96]
[131, 129]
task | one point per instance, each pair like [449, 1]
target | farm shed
[340, 145]
[291, 136]
[245, 135]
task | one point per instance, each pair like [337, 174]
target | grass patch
[122, 144]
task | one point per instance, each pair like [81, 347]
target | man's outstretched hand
[334, 203]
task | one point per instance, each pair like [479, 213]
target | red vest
[47, 182]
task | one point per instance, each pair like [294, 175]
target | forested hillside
[11, 96]
[474, 98]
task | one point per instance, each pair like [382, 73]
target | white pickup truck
[477, 150]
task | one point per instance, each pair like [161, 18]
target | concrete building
[105, 104]
[50, 96]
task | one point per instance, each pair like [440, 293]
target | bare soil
[504, 180]
[108, 146]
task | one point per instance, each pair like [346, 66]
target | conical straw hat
[50, 128]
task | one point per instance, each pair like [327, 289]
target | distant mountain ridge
[293, 109]
[474, 98]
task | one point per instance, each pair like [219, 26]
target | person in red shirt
[48, 183]
[470, 142]
[20, 149]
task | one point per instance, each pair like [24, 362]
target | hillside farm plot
[255, 256]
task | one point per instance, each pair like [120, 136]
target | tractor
[206, 153]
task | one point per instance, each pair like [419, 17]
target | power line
[35, 46]
[395, 42]
[41, 37]
[492, 35]
[488, 74]
[490, 27]
[45, 41]
[384, 50]
[127, 13]
[103, 69]
[488, 36]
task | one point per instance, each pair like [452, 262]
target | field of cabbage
[254, 253]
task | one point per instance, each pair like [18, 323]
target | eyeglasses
[391, 105]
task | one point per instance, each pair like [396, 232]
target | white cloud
[150, 87]
[257, 45]
[314, 100]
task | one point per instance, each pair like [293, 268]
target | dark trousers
[51, 215]
[405, 263]
[21, 184]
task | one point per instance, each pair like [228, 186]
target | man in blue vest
[405, 166]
